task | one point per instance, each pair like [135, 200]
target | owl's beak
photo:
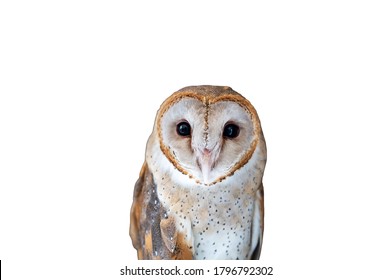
[206, 161]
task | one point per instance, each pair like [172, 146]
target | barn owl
[200, 194]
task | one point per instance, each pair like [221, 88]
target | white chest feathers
[219, 221]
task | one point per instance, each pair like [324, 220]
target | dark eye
[183, 129]
[231, 130]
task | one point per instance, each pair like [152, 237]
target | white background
[81, 81]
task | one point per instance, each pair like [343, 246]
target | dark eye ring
[231, 130]
[183, 128]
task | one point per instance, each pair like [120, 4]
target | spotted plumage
[200, 192]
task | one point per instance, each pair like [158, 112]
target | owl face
[207, 137]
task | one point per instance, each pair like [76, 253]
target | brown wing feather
[135, 211]
[152, 231]
[257, 251]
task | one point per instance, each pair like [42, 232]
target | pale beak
[206, 161]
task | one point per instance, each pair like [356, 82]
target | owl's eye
[183, 129]
[231, 130]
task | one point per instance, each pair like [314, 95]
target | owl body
[200, 192]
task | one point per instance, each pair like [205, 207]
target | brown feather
[257, 252]
[153, 233]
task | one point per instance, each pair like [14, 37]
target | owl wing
[136, 211]
[258, 221]
[152, 231]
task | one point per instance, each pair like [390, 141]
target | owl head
[208, 133]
